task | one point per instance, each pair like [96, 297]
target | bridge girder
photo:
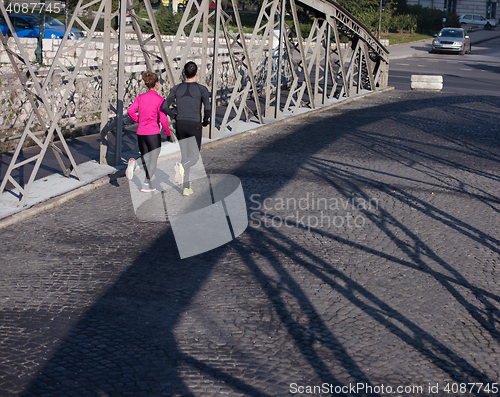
[252, 79]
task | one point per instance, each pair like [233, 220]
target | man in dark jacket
[189, 96]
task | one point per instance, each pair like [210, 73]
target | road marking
[465, 69]
[403, 64]
[421, 66]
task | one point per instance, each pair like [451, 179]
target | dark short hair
[190, 70]
[149, 78]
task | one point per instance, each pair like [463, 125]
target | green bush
[168, 22]
[452, 21]
[428, 20]
[88, 22]
[399, 16]
[404, 22]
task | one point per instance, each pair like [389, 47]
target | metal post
[277, 110]
[39, 48]
[106, 70]
[120, 82]
[444, 13]
[379, 21]
[327, 63]
[204, 49]
[214, 68]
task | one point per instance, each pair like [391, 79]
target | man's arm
[167, 103]
[205, 97]
[164, 122]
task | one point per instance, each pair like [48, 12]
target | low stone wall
[94, 53]
[83, 107]
[72, 51]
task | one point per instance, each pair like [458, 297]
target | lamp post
[379, 21]
[444, 13]
[39, 48]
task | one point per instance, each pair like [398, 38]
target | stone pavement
[51, 187]
[370, 267]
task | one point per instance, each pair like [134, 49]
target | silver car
[452, 40]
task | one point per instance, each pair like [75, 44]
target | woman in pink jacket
[148, 105]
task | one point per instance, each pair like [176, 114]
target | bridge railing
[274, 73]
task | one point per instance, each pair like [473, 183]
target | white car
[477, 20]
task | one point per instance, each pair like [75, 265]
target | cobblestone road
[372, 258]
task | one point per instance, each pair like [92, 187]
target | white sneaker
[131, 168]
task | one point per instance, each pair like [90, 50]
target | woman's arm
[133, 109]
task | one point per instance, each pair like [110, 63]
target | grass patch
[402, 38]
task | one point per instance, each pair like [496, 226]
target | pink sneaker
[146, 187]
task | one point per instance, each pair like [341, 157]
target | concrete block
[423, 82]
[47, 44]
[25, 41]
[4, 58]
[136, 69]
[426, 86]
[48, 56]
[426, 79]
[56, 43]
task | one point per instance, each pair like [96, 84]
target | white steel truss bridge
[252, 77]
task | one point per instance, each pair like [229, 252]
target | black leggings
[149, 146]
[189, 152]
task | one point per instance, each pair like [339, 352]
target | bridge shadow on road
[306, 304]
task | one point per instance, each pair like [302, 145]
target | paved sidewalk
[52, 188]
[370, 268]
[50, 184]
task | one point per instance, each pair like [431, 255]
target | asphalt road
[475, 73]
